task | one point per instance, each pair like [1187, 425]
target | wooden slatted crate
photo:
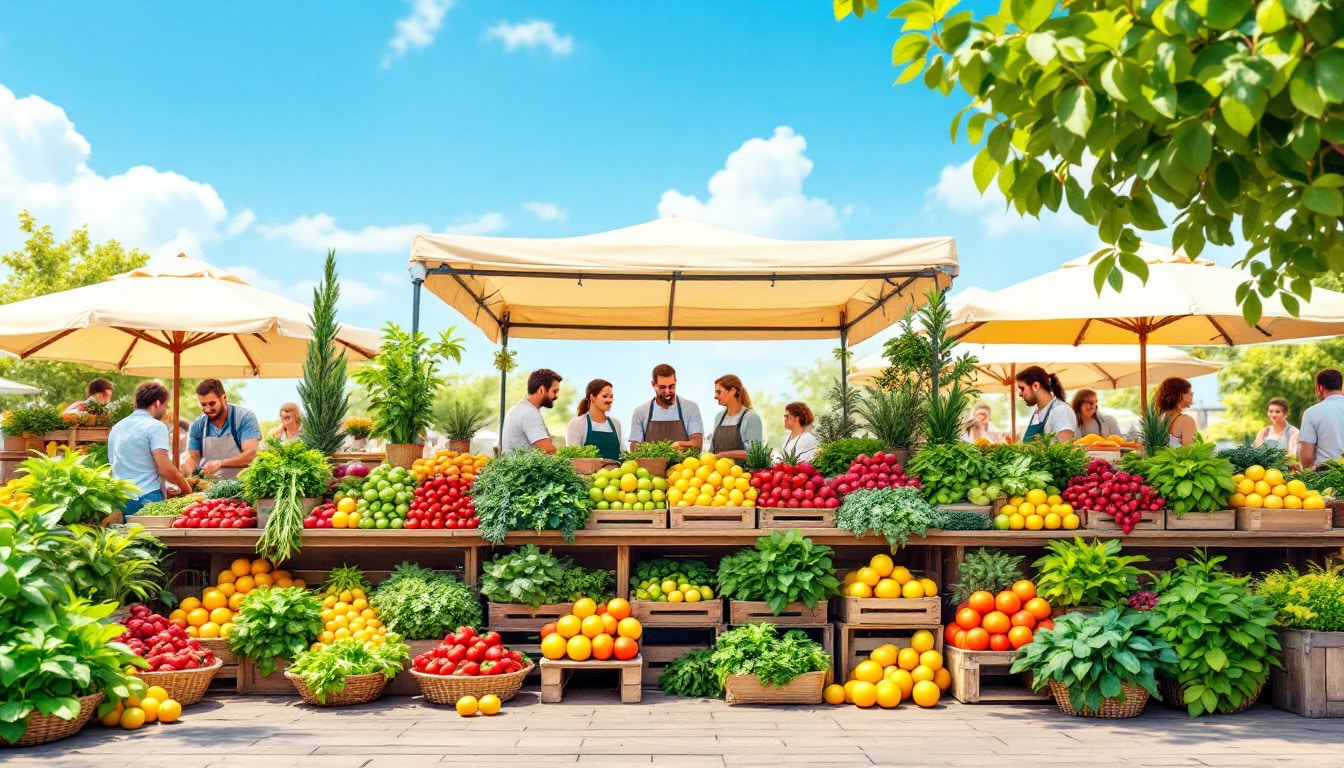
[1222, 520]
[713, 517]
[1100, 521]
[251, 681]
[768, 518]
[631, 520]
[556, 673]
[506, 617]
[1311, 682]
[857, 642]
[982, 677]
[890, 612]
[1256, 519]
[653, 613]
[742, 612]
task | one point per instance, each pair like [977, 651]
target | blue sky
[257, 135]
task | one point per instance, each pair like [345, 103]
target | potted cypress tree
[322, 389]
[401, 382]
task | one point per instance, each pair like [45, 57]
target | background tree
[322, 389]
[1229, 112]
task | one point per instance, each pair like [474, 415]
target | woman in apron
[594, 425]
[1279, 433]
[799, 442]
[737, 426]
[1052, 414]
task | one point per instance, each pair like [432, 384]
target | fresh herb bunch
[279, 622]
[837, 422]
[283, 534]
[32, 421]
[87, 492]
[1134, 463]
[578, 452]
[1222, 632]
[759, 456]
[1248, 455]
[322, 389]
[946, 471]
[118, 563]
[834, 458]
[1312, 600]
[757, 649]
[1063, 461]
[1016, 468]
[530, 490]
[661, 449]
[169, 507]
[784, 568]
[963, 520]
[1092, 654]
[225, 489]
[1190, 478]
[691, 675]
[533, 576]
[402, 380]
[989, 570]
[893, 416]
[324, 670]
[269, 474]
[1328, 478]
[422, 604]
[1076, 573]
[895, 513]
[695, 571]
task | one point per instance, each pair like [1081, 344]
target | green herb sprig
[533, 576]
[530, 490]
[834, 458]
[896, 513]
[783, 568]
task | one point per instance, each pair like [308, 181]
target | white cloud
[241, 222]
[956, 192]
[320, 232]
[545, 211]
[44, 169]
[760, 190]
[417, 30]
[485, 224]
[531, 34]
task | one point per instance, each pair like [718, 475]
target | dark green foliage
[946, 471]
[533, 576]
[1247, 455]
[783, 568]
[757, 649]
[958, 520]
[991, 570]
[834, 458]
[322, 389]
[421, 604]
[896, 513]
[692, 676]
[530, 490]
[279, 622]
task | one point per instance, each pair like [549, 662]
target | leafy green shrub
[893, 416]
[784, 568]
[692, 676]
[402, 380]
[1063, 461]
[1328, 478]
[757, 649]
[32, 421]
[1076, 573]
[324, 670]
[991, 570]
[834, 458]
[1247, 455]
[86, 492]
[530, 490]
[120, 564]
[532, 576]
[1312, 600]
[421, 604]
[946, 471]
[1190, 478]
[279, 622]
[896, 513]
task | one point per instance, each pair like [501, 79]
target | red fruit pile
[321, 516]
[467, 654]
[1121, 495]
[162, 643]
[794, 487]
[443, 501]
[217, 513]
[871, 472]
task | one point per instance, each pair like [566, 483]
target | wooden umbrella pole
[177, 404]
[1012, 401]
[1143, 367]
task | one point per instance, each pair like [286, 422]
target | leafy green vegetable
[225, 489]
[1063, 461]
[530, 490]
[1247, 455]
[578, 452]
[945, 472]
[117, 563]
[421, 604]
[896, 513]
[324, 670]
[834, 458]
[1190, 478]
[271, 471]
[1328, 478]
[87, 492]
[32, 421]
[169, 507]
[1077, 573]
[692, 676]
[757, 649]
[283, 534]
[278, 622]
[991, 570]
[1015, 468]
[1311, 600]
[532, 576]
[784, 568]
[893, 416]
[961, 520]
[661, 449]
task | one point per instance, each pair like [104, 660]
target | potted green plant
[1222, 632]
[892, 416]
[1098, 665]
[1193, 480]
[1081, 576]
[459, 421]
[26, 428]
[85, 491]
[1311, 630]
[754, 665]
[401, 382]
[117, 564]
[585, 458]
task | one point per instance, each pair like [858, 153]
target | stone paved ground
[590, 727]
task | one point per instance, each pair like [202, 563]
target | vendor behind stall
[223, 441]
[99, 391]
[667, 417]
[594, 425]
[737, 425]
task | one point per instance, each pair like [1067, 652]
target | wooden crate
[653, 613]
[1222, 520]
[857, 642]
[1256, 519]
[1311, 682]
[795, 518]
[713, 517]
[554, 675]
[982, 677]
[889, 612]
[657, 657]
[506, 617]
[806, 688]
[251, 681]
[748, 611]
[404, 683]
[1100, 521]
[627, 520]
[1111, 457]
[985, 509]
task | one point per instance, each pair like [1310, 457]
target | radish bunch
[1121, 495]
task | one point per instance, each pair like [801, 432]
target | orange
[1008, 602]
[489, 704]
[882, 564]
[157, 692]
[468, 706]
[981, 602]
[868, 576]
[849, 690]
[178, 617]
[1024, 619]
[221, 615]
[977, 639]
[858, 589]
[865, 694]
[996, 622]
[113, 718]
[888, 694]
[834, 694]
[618, 608]
[228, 590]
[630, 628]
[887, 589]
[226, 577]
[553, 646]
[1038, 608]
[241, 567]
[209, 629]
[190, 604]
[904, 681]
[151, 707]
[922, 641]
[197, 617]
[260, 565]
[235, 602]
[931, 659]
[592, 626]
[263, 580]
[245, 584]
[999, 643]
[884, 655]
[1019, 636]
[1024, 590]
[132, 718]
[908, 659]
[585, 607]
[568, 626]
[604, 647]
[213, 598]
[609, 624]
[626, 648]
[926, 693]
[548, 629]
[579, 648]
[921, 673]
[968, 618]
[942, 678]
[913, 590]
[868, 672]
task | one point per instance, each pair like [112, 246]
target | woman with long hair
[737, 426]
[291, 424]
[1090, 420]
[799, 441]
[1173, 396]
[595, 425]
[1279, 433]
[1052, 415]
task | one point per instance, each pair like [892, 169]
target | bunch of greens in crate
[32, 421]
[963, 520]
[1063, 461]
[661, 569]
[578, 452]
[533, 576]
[169, 507]
[325, 669]
[422, 604]
[757, 649]
[1222, 632]
[1190, 478]
[86, 492]
[225, 489]
[1328, 478]
[1075, 573]
[947, 471]
[692, 675]
[988, 570]
[279, 622]
[1248, 455]
[530, 490]
[1017, 469]
[834, 458]
[1313, 600]
[1093, 654]
[896, 513]
[120, 564]
[271, 472]
[660, 449]
[783, 568]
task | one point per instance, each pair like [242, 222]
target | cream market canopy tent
[8, 387]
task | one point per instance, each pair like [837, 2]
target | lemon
[912, 590]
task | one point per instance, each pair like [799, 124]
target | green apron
[606, 443]
[1036, 430]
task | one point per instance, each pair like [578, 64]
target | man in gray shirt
[523, 426]
[1322, 436]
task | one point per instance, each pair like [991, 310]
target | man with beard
[223, 440]
[523, 426]
[667, 417]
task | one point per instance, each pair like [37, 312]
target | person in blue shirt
[138, 446]
[224, 439]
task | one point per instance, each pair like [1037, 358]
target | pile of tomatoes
[467, 654]
[1003, 622]
[217, 513]
[443, 501]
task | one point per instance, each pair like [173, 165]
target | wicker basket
[43, 729]
[1173, 695]
[404, 454]
[359, 689]
[220, 647]
[441, 689]
[748, 689]
[1135, 700]
[186, 686]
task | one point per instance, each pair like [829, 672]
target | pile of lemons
[1036, 510]
[709, 481]
[881, 577]
[891, 675]
[1267, 488]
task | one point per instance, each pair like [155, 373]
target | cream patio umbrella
[1184, 303]
[172, 317]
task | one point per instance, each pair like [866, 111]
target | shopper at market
[224, 439]
[737, 426]
[667, 416]
[799, 442]
[1052, 415]
[99, 391]
[979, 427]
[1279, 433]
[595, 425]
[1090, 420]
[1322, 436]
[138, 446]
[291, 424]
[523, 426]
[1174, 395]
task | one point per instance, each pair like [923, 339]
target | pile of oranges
[593, 630]
[891, 675]
[1267, 489]
[881, 577]
[211, 615]
[709, 481]
[132, 714]
[449, 463]
[1003, 622]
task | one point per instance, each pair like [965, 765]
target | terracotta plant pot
[461, 446]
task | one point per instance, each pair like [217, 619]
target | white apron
[225, 446]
